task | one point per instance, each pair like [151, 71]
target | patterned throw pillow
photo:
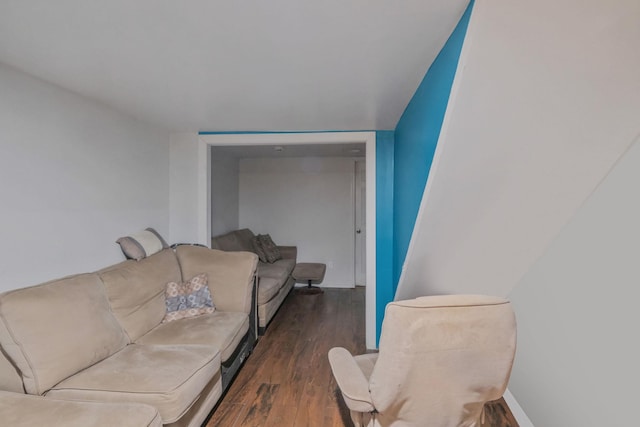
[257, 248]
[188, 299]
[271, 251]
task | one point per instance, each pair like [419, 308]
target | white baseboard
[516, 410]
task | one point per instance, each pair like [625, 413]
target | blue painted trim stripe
[384, 225]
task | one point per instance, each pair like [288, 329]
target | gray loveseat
[274, 279]
[99, 337]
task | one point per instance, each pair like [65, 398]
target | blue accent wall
[416, 137]
[385, 286]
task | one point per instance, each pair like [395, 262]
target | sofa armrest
[230, 274]
[289, 252]
[351, 380]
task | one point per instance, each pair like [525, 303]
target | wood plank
[227, 414]
[497, 413]
[260, 407]
[281, 416]
[312, 409]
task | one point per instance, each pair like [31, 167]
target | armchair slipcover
[441, 359]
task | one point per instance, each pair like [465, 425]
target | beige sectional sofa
[99, 337]
[274, 279]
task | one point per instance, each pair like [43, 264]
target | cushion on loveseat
[136, 290]
[169, 378]
[268, 288]
[23, 410]
[230, 274]
[280, 270]
[56, 329]
[223, 330]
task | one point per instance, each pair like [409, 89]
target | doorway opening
[291, 142]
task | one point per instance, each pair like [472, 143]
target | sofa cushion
[170, 378]
[222, 330]
[280, 269]
[230, 274]
[136, 290]
[10, 379]
[142, 244]
[234, 241]
[188, 299]
[267, 289]
[23, 410]
[244, 238]
[56, 329]
[288, 264]
[227, 242]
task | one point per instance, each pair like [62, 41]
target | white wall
[74, 176]
[577, 310]
[183, 188]
[305, 202]
[545, 101]
[546, 98]
[224, 192]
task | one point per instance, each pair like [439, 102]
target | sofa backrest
[10, 379]
[230, 274]
[136, 290]
[244, 237]
[53, 330]
[234, 241]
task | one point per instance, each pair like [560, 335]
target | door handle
[358, 231]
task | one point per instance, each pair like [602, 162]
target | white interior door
[360, 223]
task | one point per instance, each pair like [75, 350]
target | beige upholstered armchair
[441, 359]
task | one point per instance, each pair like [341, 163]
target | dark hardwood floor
[287, 381]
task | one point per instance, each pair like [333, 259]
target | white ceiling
[230, 65]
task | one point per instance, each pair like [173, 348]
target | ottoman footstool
[309, 273]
